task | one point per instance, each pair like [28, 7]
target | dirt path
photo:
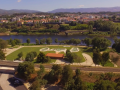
[10, 50]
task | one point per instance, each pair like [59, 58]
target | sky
[48, 5]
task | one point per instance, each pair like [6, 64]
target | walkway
[10, 50]
[89, 60]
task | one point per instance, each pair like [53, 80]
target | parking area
[7, 80]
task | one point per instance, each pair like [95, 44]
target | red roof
[55, 55]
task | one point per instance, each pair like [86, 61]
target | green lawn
[26, 50]
[87, 50]
[108, 64]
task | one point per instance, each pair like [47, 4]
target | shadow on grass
[87, 49]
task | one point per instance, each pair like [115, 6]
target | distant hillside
[110, 9]
[2, 11]
[103, 9]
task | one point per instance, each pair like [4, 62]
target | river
[60, 37]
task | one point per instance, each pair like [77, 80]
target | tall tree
[101, 43]
[97, 56]
[28, 41]
[3, 44]
[90, 28]
[25, 70]
[2, 55]
[67, 74]
[37, 42]
[29, 57]
[49, 41]
[56, 40]
[77, 41]
[105, 58]
[41, 58]
[87, 41]
[42, 41]
[20, 55]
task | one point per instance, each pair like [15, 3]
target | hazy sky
[48, 5]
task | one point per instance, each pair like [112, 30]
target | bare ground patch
[116, 57]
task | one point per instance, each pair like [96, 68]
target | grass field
[26, 50]
[89, 51]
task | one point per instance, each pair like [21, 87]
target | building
[20, 22]
[55, 56]
[4, 21]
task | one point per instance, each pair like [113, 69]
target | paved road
[95, 69]
[6, 82]
[49, 66]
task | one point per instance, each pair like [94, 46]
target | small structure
[55, 56]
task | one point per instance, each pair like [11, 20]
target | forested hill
[2, 11]
[101, 9]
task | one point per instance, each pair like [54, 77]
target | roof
[55, 55]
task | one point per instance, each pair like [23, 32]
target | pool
[44, 49]
[74, 50]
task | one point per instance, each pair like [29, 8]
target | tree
[28, 41]
[104, 85]
[77, 71]
[91, 23]
[35, 85]
[57, 69]
[73, 23]
[77, 41]
[2, 55]
[55, 74]
[101, 43]
[13, 43]
[42, 41]
[41, 58]
[116, 45]
[56, 40]
[97, 56]
[34, 53]
[49, 41]
[20, 55]
[37, 42]
[90, 28]
[67, 74]
[67, 51]
[25, 70]
[70, 57]
[17, 41]
[117, 86]
[41, 71]
[87, 41]
[29, 57]
[105, 58]
[3, 44]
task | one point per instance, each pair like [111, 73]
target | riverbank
[32, 38]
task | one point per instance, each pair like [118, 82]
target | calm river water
[60, 37]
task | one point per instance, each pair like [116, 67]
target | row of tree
[72, 57]
[31, 56]
[100, 58]
[97, 42]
